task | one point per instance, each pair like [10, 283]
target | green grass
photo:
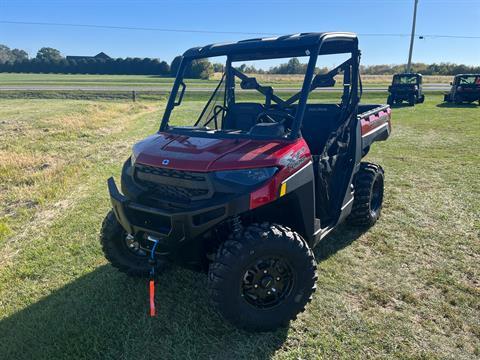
[94, 80]
[407, 288]
[153, 80]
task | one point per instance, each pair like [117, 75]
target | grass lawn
[10, 79]
[95, 80]
[407, 288]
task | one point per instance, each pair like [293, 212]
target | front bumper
[173, 229]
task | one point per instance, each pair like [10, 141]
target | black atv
[465, 88]
[406, 87]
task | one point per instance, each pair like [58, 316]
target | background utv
[250, 188]
[406, 87]
[464, 88]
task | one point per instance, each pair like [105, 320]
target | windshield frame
[474, 77]
[397, 79]
[230, 95]
[302, 96]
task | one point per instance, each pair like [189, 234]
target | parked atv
[248, 188]
[406, 87]
[465, 88]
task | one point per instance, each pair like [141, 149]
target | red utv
[246, 189]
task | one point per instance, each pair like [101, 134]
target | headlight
[246, 177]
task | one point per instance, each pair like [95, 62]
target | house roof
[100, 55]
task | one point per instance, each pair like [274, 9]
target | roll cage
[467, 79]
[406, 79]
[307, 44]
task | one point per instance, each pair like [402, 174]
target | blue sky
[454, 17]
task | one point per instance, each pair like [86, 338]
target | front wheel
[411, 100]
[390, 100]
[368, 198]
[263, 277]
[122, 250]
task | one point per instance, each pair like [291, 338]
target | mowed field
[152, 81]
[407, 288]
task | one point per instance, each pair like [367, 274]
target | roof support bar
[265, 90]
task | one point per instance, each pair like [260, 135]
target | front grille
[173, 185]
[177, 192]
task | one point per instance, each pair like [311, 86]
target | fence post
[134, 96]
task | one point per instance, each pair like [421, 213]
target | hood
[202, 154]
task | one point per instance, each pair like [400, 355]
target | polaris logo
[165, 162]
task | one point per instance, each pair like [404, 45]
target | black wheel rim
[267, 282]
[377, 196]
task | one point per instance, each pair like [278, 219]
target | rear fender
[375, 126]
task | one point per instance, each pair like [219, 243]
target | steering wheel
[271, 114]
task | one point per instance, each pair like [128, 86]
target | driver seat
[242, 116]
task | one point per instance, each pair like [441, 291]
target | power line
[135, 28]
[115, 27]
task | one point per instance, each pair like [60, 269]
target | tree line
[424, 69]
[50, 60]
[294, 66]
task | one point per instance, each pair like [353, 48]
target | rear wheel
[421, 99]
[122, 250]
[368, 200]
[262, 278]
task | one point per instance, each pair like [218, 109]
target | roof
[408, 74]
[278, 47]
[100, 55]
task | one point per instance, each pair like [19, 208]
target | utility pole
[412, 38]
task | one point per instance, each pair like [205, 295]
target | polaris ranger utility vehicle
[406, 87]
[465, 88]
[246, 189]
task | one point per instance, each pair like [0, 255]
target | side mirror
[182, 92]
[249, 84]
[323, 80]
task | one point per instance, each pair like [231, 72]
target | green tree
[49, 54]
[5, 54]
[293, 66]
[217, 67]
[19, 54]
[175, 65]
[200, 69]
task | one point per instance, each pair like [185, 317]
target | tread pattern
[390, 100]
[242, 246]
[411, 100]
[110, 235]
[361, 215]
